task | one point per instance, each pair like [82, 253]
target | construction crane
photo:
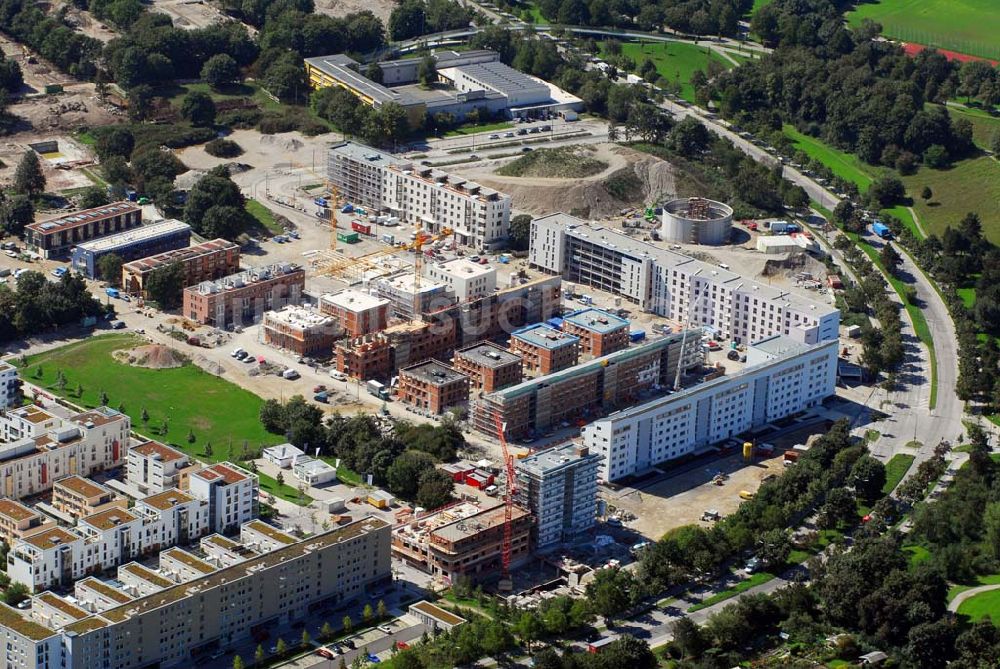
[506, 584]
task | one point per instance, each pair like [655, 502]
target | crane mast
[508, 529]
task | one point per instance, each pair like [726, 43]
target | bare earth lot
[381, 8]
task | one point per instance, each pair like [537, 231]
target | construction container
[379, 499]
[636, 335]
[360, 227]
[348, 237]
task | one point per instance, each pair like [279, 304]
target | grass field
[984, 126]
[966, 26]
[742, 586]
[479, 127]
[263, 216]
[187, 397]
[895, 470]
[982, 605]
[971, 185]
[757, 4]
[675, 61]
[955, 590]
[917, 554]
[846, 166]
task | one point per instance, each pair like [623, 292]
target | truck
[377, 389]
[882, 230]
[363, 228]
[636, 336]
[779, 227]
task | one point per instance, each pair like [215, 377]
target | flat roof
[441, 179]
[248, 277]
[314, 465]
[353, 300]
[543, 336]
[33, 414]
[618, 241]
[167, 499]
[12, 619]
[283, 451]
[299, 317]
[436, 612]
[361, 152]
[98, 417]
[406, 283]
[188, 559]
[148, 575]
[121, 240]
[50, 538]
[226, 471]
[480, 522]
[82, 486]
[462, 268]
[434, 372]
[106, 590]
[249, 568]
[552, 460]
[596, 320]
[16, 511]
[270, 532]
[500, 77]
[487, 354]
[186, 254]
[82, 217]
[779, 345]
[62, 605]
[106, 520]
[156, 450]
[339, 67]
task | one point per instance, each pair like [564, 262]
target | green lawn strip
[985, 604]
[479, 127]
[956, 590]
[675, 61]
[263, 216]
[843, 164]
[920, 327]
[895, 470]
[289, 493]
[984, 125]
[967, 295]
[85, 137]
[175, 94]
[966, 26]
[96, 179]
[189, 398]
[757, 4]
[742, 586]
[344, 475]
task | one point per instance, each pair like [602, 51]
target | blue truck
[882, 230]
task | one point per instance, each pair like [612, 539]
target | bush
[936, 156]
[243, 119]
[223, 148]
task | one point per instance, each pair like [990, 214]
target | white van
[337, 376]
[492, 490]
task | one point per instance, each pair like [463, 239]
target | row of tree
[36, 304]
[696, 17]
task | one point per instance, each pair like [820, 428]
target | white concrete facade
[559, 485]
[231, 493]
[674, 285]
[466, 279]
[783, 377]
[10, 386]
[154, 467]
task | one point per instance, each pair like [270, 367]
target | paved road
[968, 594]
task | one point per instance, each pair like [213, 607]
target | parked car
[338, 376]
[508, 135]
[494, 136]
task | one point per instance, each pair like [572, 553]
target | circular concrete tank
[695, 220]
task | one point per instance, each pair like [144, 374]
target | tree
[326, 631]
[367, 614]
[347, 624]
[165, 285]
[92, 197]
[28, 177]
[867, 477]
[258, 655]
[109, 268]
[139, 98]
[520, 230]
[280, 478]
[281, 647]
[688, 638]
[529, 628]
[890, 258]
[403, 476]
[407, 20]
[208, 449]
[144, 416]
[427, 71]
[104, 399]
[198, 108]
[435, 489]
[628, 652]
[306, 639]
[220, 71]
[839, 508]
[886, 191]
[609, 592]
[995, 145]
[773, 548]
[15, 593]
[16, 212]
[238, 662]
[381, 611]
[926, 193]
[937, 156]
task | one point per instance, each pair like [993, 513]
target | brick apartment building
[489, 367]
[243, 298]
[599, 385]
[433, 386]
[207, 261]
[600, 333]
[355, 312]
[368, 357]
[300, 331]
[55, 236]
[544, 349]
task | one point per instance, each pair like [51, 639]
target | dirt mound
[568, 162]
[152, 356]
[797, 261]
[631, 179]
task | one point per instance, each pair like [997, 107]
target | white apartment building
[674, 285]
[179, 616]
[406, 298]
[231, 493]
[782, 377]
[559, 485]
[39, 448]
[422, 196]
[10, 386]
[58, 556]
[154, 467]
[467, 280]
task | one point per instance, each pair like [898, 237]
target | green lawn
[895, 470]
[742, 586]
[479, 127]
[984, 125]
[982, 605]
[967, 26]
[845, 165]
[955, 590]
[263, 216]
[187, 397]
[971, 185]
[967, 295]
[175, 94]
[675, 61]
[757, 4]
[917, 554]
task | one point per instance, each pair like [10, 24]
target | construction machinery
[506, 584]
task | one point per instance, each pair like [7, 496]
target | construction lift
[506, 584]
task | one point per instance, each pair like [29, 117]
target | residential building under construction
[207, 261]
[463, 540]
[300, 331]
[591, 388]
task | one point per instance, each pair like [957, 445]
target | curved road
[968, 594]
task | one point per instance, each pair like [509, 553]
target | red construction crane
[508, 528]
